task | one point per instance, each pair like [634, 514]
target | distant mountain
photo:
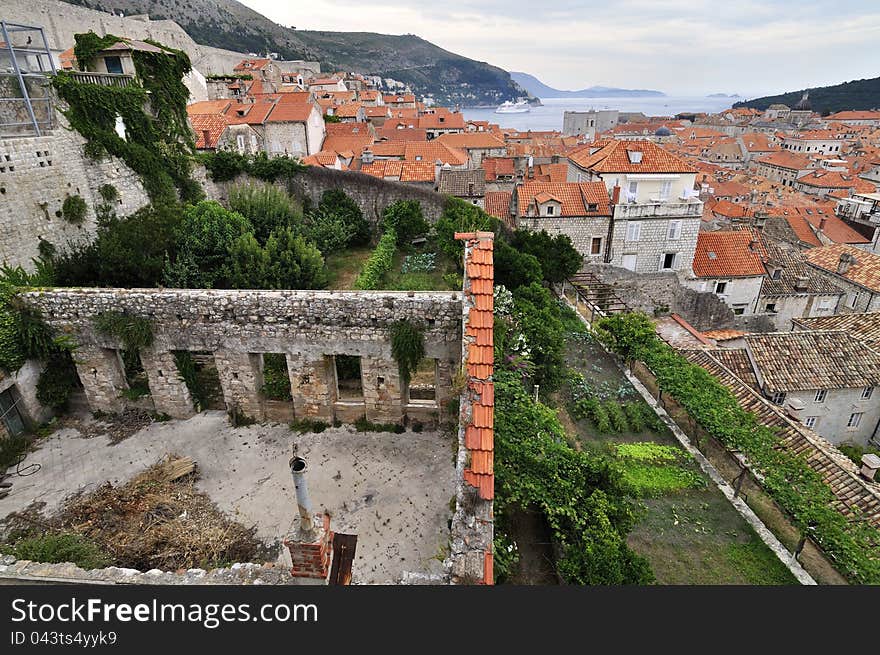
[428, 69]
[857, 94]
[537, 88]
[723, 95]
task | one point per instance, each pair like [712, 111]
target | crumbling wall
[371, 194]
[37, 174]
[663, 293]
[309, 327]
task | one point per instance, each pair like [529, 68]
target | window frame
[674, 229]
[855, 419]
[810, 421]
[637, 228]
[820, 395]
[596, 246]
[778, 397]
[866, 394]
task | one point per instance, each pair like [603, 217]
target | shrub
[635, 412]
[460, 216]
[74, 209]
[363, 425]
[600, 419]
[379, 263]
[133, 332]
[615, 415]
[335, 201]
[108, 193]
[328, 231]
[267, 207]
[557, 256]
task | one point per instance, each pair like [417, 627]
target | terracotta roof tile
[480, 319]
[727, 253]
[614, 158]
[481, 461]
[574, 197]
[497, 204]
[864, 271]
[481, 354]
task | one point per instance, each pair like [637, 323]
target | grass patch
[363, 425]
[648, 451]
[650, 480]
[758, 564]
[304, 425]
[343, 267]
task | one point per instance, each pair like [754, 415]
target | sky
[681, 47]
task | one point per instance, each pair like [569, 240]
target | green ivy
[581, 495]
[225, 165]
[186, 368]
[407, 348]
[787, 477]
[379, 263]
[160, 147]
[133, 332]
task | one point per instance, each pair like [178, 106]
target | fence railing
[592, 298]
[103, 79]
[626, 211]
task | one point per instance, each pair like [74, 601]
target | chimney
[367, 156]
[615, 194]
[206, 136]
[870, 465]
[846, 260]
[753, 245]
[801, 283]
[310, 545]
[822, 222]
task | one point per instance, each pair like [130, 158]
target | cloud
[679, 46]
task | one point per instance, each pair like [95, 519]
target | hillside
[537, 88]
[427, 68]
[857, 94]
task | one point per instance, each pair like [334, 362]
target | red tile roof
[442, 120]
[478, 408]
[474, 140]
[498, 204]
[801, 228]
[614, 158]
[864, 271]
[498, 166]
[433, 151]
[573, 196]
[348, 143]
[789, 160]
[210, 125]
[405, 171]
[727, 253]
[251, 64]
[208, 107]
[249, 113]
[291, 112]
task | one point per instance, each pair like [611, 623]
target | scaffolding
[25, 65]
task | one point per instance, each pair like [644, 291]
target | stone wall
[371, 194]
[309, 327]
[663, 293]
[60, 21]
[37, 174]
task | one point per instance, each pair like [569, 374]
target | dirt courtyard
[392, 490]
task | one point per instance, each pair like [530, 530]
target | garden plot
[689, 531]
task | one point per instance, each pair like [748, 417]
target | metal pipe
[304, 504]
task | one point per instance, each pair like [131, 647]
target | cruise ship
[518, 107]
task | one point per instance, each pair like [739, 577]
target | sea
[549, 115]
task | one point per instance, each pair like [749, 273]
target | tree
[405, 217]
[630, 335]
[335, 201]
[328, 231]
[557, 255]
[514, 268]
[537, 317]
[127, 252]
[293, 263]
[460, 216]
[267, 207]
[205, 239]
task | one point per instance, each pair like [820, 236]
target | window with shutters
[673, 231]
[633, 230]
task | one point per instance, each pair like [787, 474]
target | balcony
[103, 79]
[634, 210]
